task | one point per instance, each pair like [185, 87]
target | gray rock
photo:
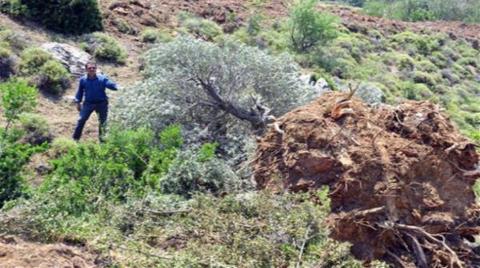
[319, 87]
[73, 58]
[368, 92]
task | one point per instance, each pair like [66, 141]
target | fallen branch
[454, 262]
[305, 240]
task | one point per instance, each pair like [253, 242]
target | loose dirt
[400, 178]
[16, 253]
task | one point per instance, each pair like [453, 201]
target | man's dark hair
[90, 63]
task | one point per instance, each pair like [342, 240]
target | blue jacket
[94, 89]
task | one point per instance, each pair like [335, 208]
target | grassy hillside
[172, 185]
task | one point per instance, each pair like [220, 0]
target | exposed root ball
[400, 177]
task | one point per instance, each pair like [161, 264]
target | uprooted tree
[400, 177]
[199, 83]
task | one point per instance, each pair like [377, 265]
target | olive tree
[217, 92]
[193, 81]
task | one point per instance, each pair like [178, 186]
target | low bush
[105, 48]
[13, 40]
[192, 172]
[45, 72]
[200, 28]
[152, 35]
[53, 77]
[32, 59]
[36, 129]
[127, 163]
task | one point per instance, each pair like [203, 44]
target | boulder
[73, 58]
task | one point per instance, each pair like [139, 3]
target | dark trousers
[101, 109]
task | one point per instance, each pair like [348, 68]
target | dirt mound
[16, 253]
[400, 177]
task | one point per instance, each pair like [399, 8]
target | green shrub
[13, 156]
[200, 171]
[106, 48]
[308, 27]
[413, 91]
[13, 8]
[53, 77]
[13, 40]
[127, 163]
[420, 10]
[32, 59]
[61, 146]
[66, 16]
[16, 97]
[36, 129]
[7, 63]
[152, 35]
[201, 28]
[400, 60]
[425, 78]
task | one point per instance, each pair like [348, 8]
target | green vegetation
[161, 195]
[198, 27]
[16, 97]
[421, 10]
[152, 35]
[105, 48]
[308, 27]
[46, 73]
[36, 129]
[32, 59]
[53, 77]
[65, 16]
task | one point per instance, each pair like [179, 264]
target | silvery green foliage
[188, 175]
[242, 76]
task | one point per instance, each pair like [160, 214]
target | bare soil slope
[400, 177]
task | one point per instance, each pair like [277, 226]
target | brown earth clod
[400, 178]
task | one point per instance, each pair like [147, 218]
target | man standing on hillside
[92, 85]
